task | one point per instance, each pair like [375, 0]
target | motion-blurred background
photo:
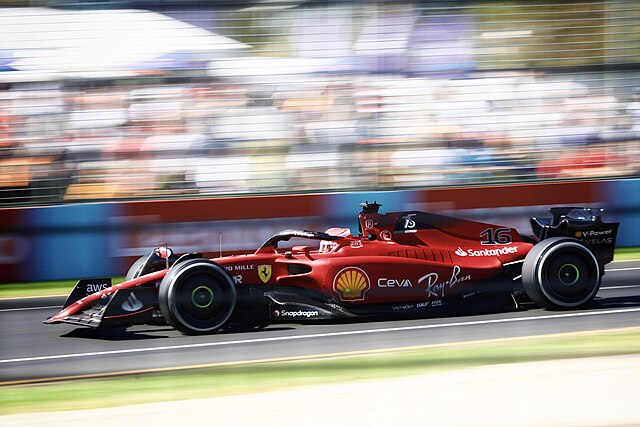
[136, 100]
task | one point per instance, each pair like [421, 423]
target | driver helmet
[327, 246]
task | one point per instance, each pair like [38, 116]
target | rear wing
[584, 224]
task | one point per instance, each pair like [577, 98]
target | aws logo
[351, 283]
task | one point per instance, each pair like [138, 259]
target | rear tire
[561, 273]
[197, 297]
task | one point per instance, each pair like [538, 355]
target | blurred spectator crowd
[273, 98]
[326, 132]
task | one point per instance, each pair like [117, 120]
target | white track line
[605, 288]
[322, 335]
[30, 308]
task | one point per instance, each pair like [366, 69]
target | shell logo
[351, 284]
[578, 234]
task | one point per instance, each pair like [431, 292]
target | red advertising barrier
[231, 208]
[555, 193]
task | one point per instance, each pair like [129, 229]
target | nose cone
[49, 320]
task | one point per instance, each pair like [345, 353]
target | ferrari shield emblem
[264, 272]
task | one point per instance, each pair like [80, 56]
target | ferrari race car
[407, 263]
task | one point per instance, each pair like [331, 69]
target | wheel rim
[202, 297]
[569, 274]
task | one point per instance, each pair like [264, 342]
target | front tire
[561, 273]
[136, 268]
[197, 297]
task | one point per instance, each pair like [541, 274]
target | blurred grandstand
[189, 99]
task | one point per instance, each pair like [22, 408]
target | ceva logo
[460, 252]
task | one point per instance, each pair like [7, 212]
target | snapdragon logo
[505, 250]
[299, 313]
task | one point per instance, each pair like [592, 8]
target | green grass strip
[40, 289]
[63, 287]
[268, 376]
[627, 254]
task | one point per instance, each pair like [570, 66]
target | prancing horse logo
[264, 272]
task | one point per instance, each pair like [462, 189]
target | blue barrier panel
[342, 208]
[70, 241]
[622, 199]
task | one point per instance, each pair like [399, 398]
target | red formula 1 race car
[407, 263]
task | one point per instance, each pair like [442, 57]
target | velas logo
[596, 237]
[351, 283]
[460, 252]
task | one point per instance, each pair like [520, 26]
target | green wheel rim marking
[569, 266]
[193, 297]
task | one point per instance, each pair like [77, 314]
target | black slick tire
[561, 273]
[197, 297]
[136, 268]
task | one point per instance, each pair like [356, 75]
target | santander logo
[505, 250]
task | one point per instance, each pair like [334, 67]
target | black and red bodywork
[403, 262]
